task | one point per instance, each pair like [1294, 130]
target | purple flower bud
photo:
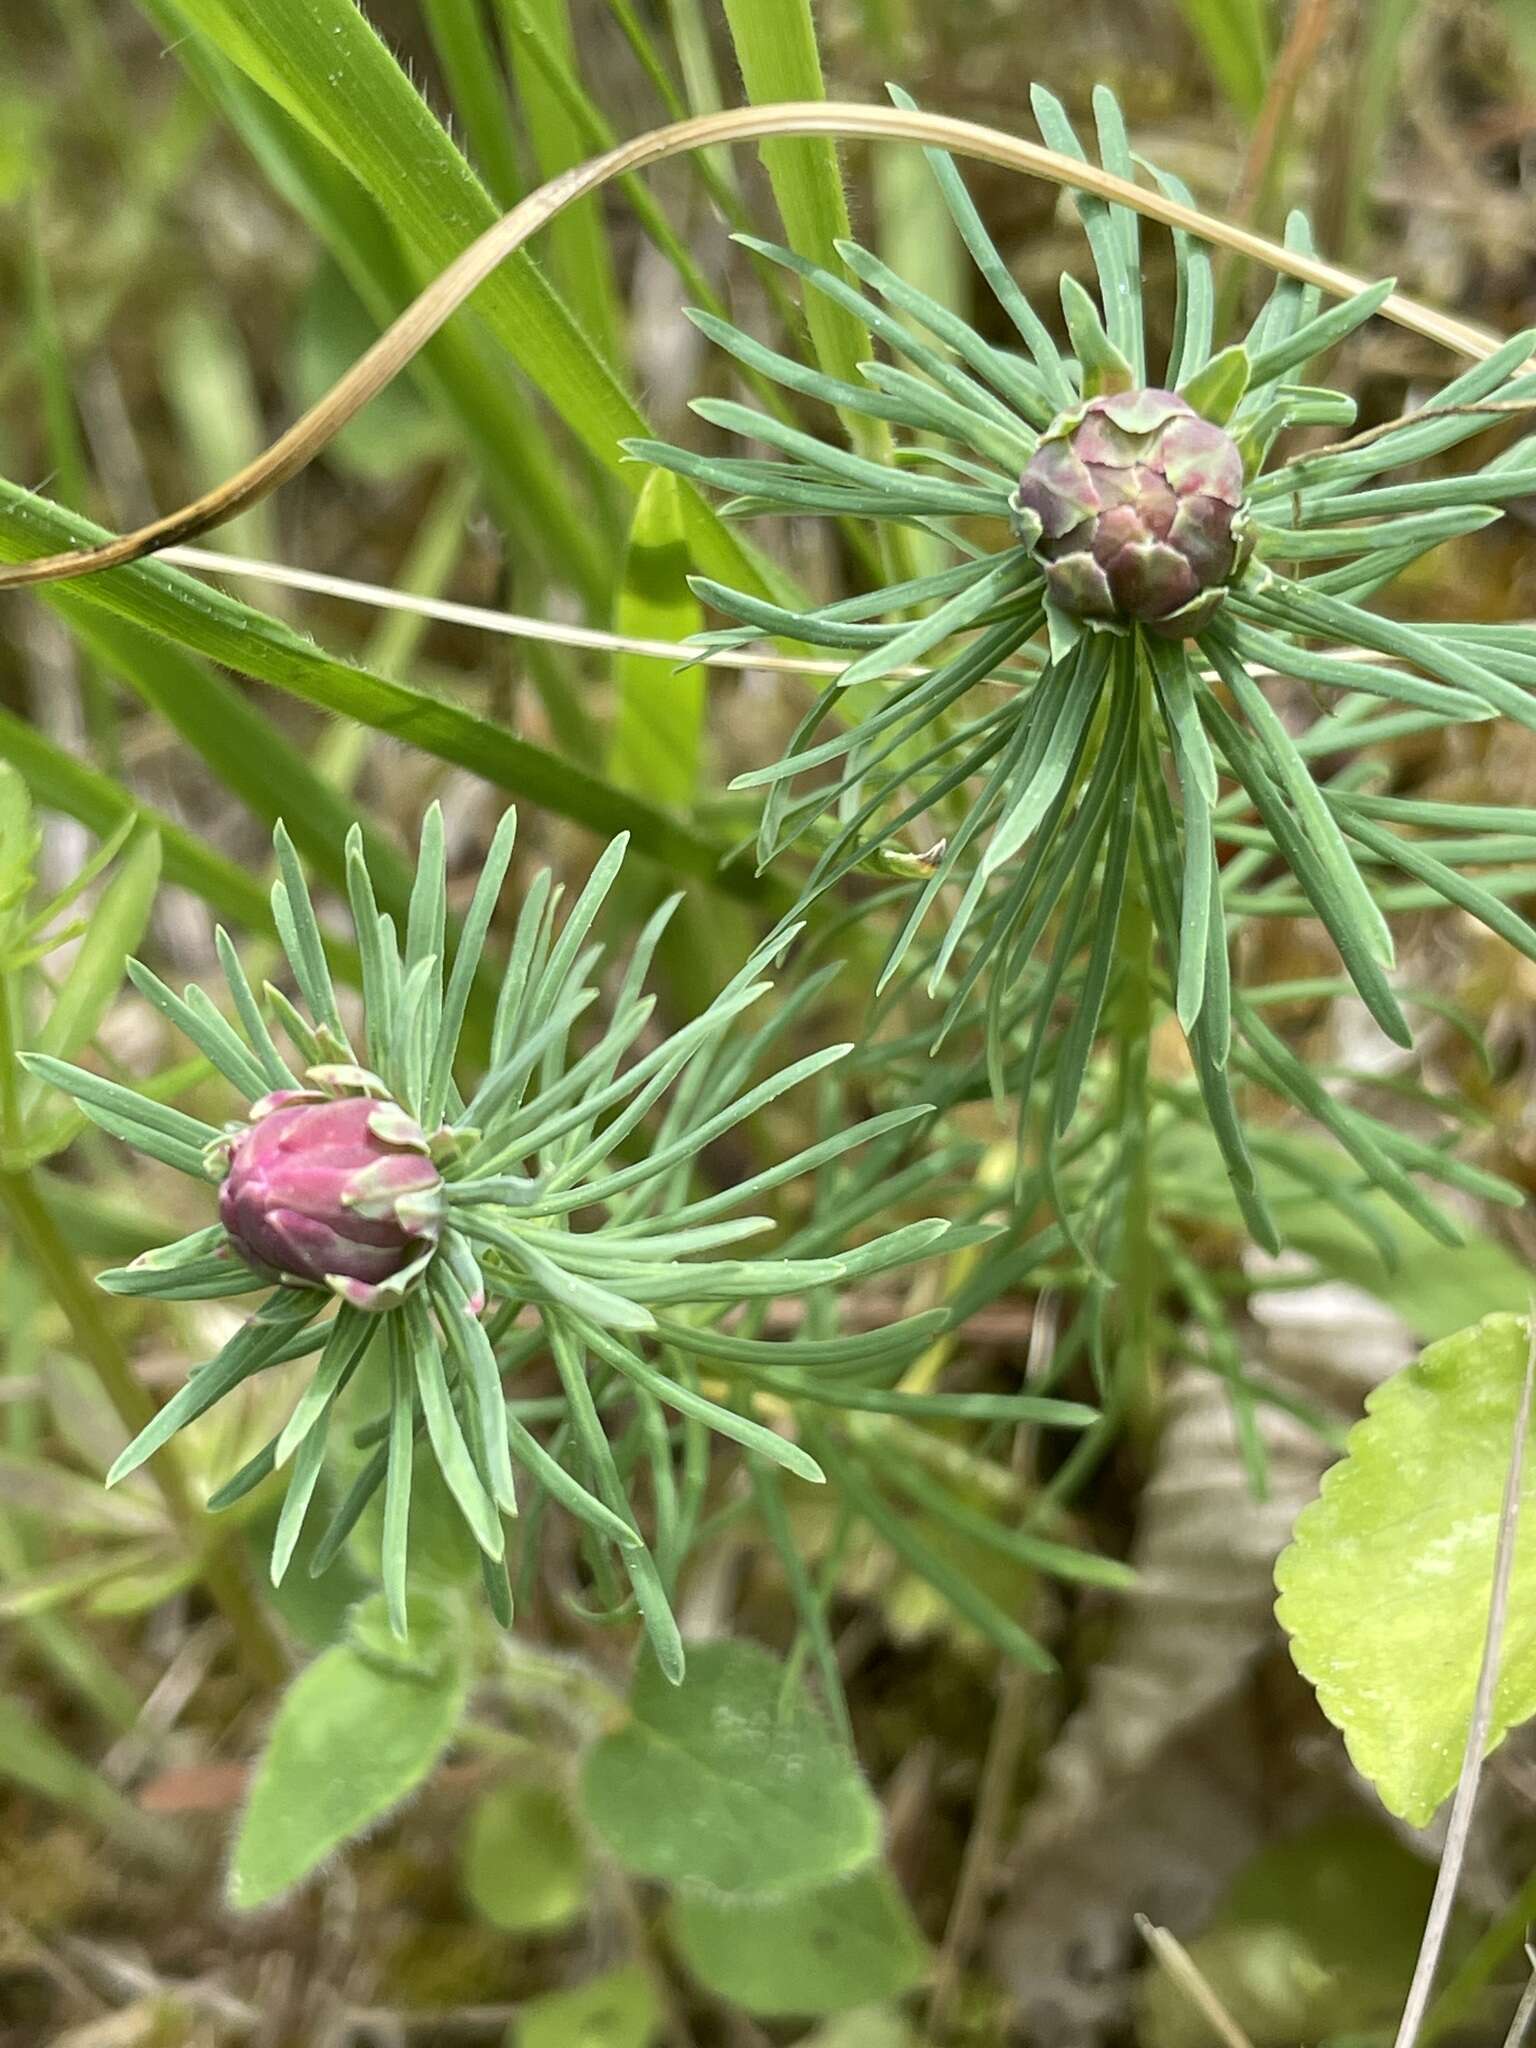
[1139, 502]
[341, 1194]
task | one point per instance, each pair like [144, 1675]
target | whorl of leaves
[577, 1227]
[1082, 765]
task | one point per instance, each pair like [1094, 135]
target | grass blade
[195, 616]
[775, 44]
[658, 734]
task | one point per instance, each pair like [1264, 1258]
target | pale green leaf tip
[126, 1463]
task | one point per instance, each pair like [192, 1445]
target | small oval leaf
[524, 1870]
[356, 1733]
[620, 2009]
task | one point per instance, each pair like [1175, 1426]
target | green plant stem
[33, 1757]
[45, 1246]
[563, 1680]
[1134, 1393]
[10, 1103]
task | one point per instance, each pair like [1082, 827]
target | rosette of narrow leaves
[1075, 709]
[423, 1230]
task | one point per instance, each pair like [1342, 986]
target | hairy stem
[49, 1252]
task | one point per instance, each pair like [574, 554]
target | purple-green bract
[341, 1194]
[1139, 504]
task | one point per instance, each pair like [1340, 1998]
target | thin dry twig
[1179, 1965]
[383, 361]
[1367, 435]
[521, 626]
[1444, 1899]
[1525, 2011]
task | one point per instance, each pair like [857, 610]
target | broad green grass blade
[689, 24]
[323, 62]
[243, 749]
[557, 79]
[775, 43]
[1234, 38]
[659, 724]
[463, 45]
[461, 370]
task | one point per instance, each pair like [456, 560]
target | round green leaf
[826, 1950]
[617, 2010]
[1384, 1589]
[729, 1780]
[523, 1866]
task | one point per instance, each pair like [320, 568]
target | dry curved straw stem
[597, 639]
[384, 360]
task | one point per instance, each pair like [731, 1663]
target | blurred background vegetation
[182, 269]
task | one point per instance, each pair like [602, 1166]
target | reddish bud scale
[1138, 501]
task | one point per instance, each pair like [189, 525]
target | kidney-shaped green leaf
[1384, 1589]
[730, 1780]
[840, 1945]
